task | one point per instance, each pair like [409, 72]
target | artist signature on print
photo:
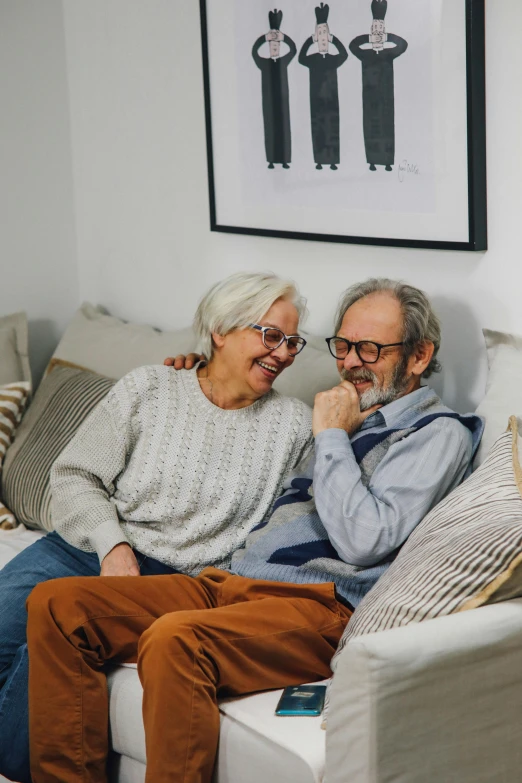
[406, 168]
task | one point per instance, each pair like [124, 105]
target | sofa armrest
[437, 701]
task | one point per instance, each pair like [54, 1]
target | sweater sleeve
[82, 479]
[304, 442]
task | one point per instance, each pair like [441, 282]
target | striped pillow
[465, 553]
[63, 400]
[13, 399]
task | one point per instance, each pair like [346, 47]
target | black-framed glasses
[367, 351]
[273, 338]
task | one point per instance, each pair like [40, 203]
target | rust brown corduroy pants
[194, 639]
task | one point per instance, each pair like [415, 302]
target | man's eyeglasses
[273, 338]
[367, 351]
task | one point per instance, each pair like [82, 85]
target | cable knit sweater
[157, 465]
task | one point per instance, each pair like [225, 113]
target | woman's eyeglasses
[273, 338]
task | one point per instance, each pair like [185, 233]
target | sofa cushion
[13, 399]
[14, 359]
[255, 744]
[503, 397]
[112, 347]
[62, 401]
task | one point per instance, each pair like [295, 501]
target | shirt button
[328, 457]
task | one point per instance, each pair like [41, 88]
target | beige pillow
[314, 370]
[503, 389]
[14, 358]
[112, 347]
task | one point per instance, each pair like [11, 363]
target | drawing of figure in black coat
[324, 94]
[276, 104]
[378, 87]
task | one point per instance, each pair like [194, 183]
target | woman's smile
[269, 370]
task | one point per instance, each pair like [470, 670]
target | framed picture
[359, 122]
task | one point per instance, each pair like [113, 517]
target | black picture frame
[476, 151]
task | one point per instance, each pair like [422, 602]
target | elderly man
[387, 450]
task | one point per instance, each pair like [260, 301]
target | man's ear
[421, 357]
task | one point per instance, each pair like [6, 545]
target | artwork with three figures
[348, 120]
[323, 53]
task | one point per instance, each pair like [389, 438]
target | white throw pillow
[503, 396]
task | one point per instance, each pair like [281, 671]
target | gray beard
[378, 394]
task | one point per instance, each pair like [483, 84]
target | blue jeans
[49, 558]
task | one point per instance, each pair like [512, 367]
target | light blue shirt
[367, 522]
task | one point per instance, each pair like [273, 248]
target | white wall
[37, 235]
[144, 247]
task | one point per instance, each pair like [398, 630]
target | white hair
[238, 301]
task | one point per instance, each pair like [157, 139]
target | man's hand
[339, 409]
[182, 362]
[120, 561]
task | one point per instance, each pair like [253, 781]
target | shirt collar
[392, 414]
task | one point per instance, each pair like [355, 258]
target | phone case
[301, 700]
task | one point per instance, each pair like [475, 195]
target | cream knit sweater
[157, 465]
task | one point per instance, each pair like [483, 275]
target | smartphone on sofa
[301, 700]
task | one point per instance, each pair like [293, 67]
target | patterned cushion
[13, 399]
[63, 400]
[465, 553]
[7, 519]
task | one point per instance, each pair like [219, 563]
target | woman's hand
[120, 561]
[182, 362]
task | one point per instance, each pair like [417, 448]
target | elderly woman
[169, 473]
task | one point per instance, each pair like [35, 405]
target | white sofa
[436, 702]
